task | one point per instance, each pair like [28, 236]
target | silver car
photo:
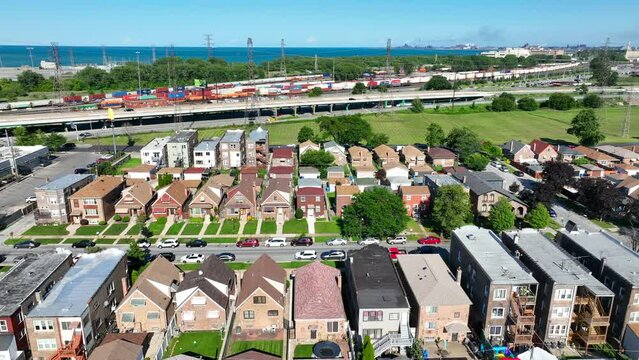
[368, 241]
[336, 242]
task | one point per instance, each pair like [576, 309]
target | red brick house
[543, 151]
[312, 201]
[416, 199]
[282, 172]
[282, 157]
[240, 201]
[172, 200]
[344, 197]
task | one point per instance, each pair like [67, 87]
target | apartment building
[179, 149]
[78, 310]
[232, 149]
[572, 305]
[256, 146]
[155, 153]
[52, 198]
[502, 290]
[205, 154]
[96, 201]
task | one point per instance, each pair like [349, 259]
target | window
[188, 315]
[198, 300]
[634, 317]
[128, 317]
[3, 326]
[91, 211]
[407, 197]
[138, 302]
[563, 294]
[497, 313]
[495, 330]
[43, 325]
[213, 314]
[303, 198]
[393, 316]
[259, 299]
[499, 294]
[560, 312]
[273, 313]
[249, 314]
[89, 201]
[152, 315]
[317, 199]
[111, 287]
[372, 333]
[635, 300]
[332, 326]
[558, 330]
[47, 344]
[431, 325]
[431, 309]
[373, 315]
[456, 315]
[66, 325]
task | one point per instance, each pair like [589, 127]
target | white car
[168, 243]
[368, 241]
[306, 255]
[192, 259]
[31, 199]
[397, 240]
[336, 242]
[276, 241]
[144, 244]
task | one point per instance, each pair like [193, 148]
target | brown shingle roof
[221, 180]
[440, 153]
[281, 170]
[159, 271]
[410, 150]
[213, 269]
[422, 169]
[415, 190]
[99, 187]
[117, 350]
[141, 191]
[260, 275]
[594, 154]
[393, 165]
[190, 184]
[317, 295]
[141, 338]
[364, 168]
[283, 153]
[283, 185]
[178, 191]
[355, 150]
[384, 151]
[245, 188]
[346, 190]
[171, 170]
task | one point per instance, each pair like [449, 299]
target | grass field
[115, 229]
[4, 269]
[156, 228]
[268, 227]
[134, 230]
[230, 227]
[250, 228]
[175, 228]
[90, 229]
[105, 241]
[205, 343]
[192, 229]
[296, 227]
[47, 230]
[273, 347]
[131, 162]
[212, 229]
[14, 241]
[326, 227]
[221, 240]
[303, 351]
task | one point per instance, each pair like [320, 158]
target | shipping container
[119, 94]
[72, 99]
[111, 103]
[96, 97]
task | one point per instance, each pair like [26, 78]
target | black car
[91, 165]
[303, 241]
[226, 256]
[29, 244]
[518, 173]
[68, 146]
[167, 255]
[333, 255]
[196, 243]
[128, 110]
[81, 171]
[83, 244]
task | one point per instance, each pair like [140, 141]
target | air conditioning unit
[113, 307]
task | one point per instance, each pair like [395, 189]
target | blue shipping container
[119, 93]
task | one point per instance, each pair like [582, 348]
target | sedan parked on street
[29, 244]
[226, 256]
[251, 242]
[196, 243]
[303, 241]
[83, 244]
[337, 242]
[368, 241]
[429, 240]
[192, 259]
[337, 255]
[306, 255]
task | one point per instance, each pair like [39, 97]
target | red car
[394, 252]
[429, 240]
[251, 242]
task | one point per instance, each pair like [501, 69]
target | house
[277, 200]
[543, 151]
[240, 201]
[260, 304]
[416, 200]
[256, 146]
[364, 183]
[578, 171]
[360, 156]
[435, 181]
[145, 172]
[318, 310]
[338, 152]
[379, 307]
[96, 201]
[148, 306]
[308, 172]
[222, 181]
[23, 286]
[484, 194]
[502, 290]
[191, 185]
[576, 305]
[122, 346]
[281, 172]
[593, 170]
[172, 200]
[396, 182]
[385, 155]
[306, 146]
[626, 156]
[335, 176]
[179, 148]
[421, 170]
[52, 198]
[612, 263]
[282, 157]
[77, 310]
[568, 154]
[518, 152]
[193, 173]
[155, 153]
[176, 172]
[452, 170]
[367, 171]
[344, 197]
[413, 156]
[616, 178]
[9, 348]
[250, 174]
[441, 157]
[205, 154]
[312, 201]
[628, 169]
[207, 200]
[629, 186]
[136, 200]
[600, 158]
[304, 183]
[395, 170]
[630, 341]
[232, 149]
[203, 299]
[439, 307]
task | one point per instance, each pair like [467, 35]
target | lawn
[47, 230]
[206, 343]
[14, 241]
[156, 228]
[413, 226]
[221, 240]
[296, 227]
[268, 227]
[303, 351]
[90, 229]
[250, 227]
[115, 229]
[273, 347]
[603, 224]
[192, 229]
[134, 230]
[189, 267]
[230, 227]
[49, 241]
[175, 228]
[131, 162]
[212, 229]
[4, 269]
[105, 241]
[326, 227]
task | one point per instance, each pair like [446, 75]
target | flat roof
[71, 295]
[258, 134]
[562, 268]
[443, 179]
[25, 277]
[232, 136]
[157, 143]
[209, 144]
[182, 136]
[64, 182]
[493, 256]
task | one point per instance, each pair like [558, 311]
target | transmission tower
[209, 45]
[605, 60]
[153, 58]
[71, 59]
[104, 57]
[625, 130]
[173, 82]
[57, 79]
[388, 57]
[283, 58]
[251, 102]
[315, 62]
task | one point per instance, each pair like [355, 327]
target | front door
[313, 334]
[171, 211]
[280, 215]
[453, 337]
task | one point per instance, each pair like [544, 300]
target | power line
[209, 45]
[250, 66]
[283, 58]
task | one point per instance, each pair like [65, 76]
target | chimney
[459, 275]
[125, 285]
[512, 144]
[38, 297]
[516, 238]
[604, 260]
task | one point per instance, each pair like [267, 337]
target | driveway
[509, 178]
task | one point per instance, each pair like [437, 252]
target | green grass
[135, 273]
[192, 229]
[230, 227]
[175, 228]
[105, 241]
[206, 343]
[212, 229]
[303, 351]
[131, 162]
[296, 227]
[413, 226]
[47, 230]
[49, 241]
[14, 241]
[134, 230]
[189, 267]
[221, 240]
[115, 229]
[268, 227]
[603, 224]
[4, 269]
[250, 227]
[273, 347]
[326, 227]
[90, 229]
[156, 228]
[322, 238]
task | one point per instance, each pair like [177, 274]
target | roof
[317, 294]
[245, 188]
[394, 165]
[591, 167]
[308, 170]
[567, 150]
[537, 146]
[142, 191]
[117, 350]
[190, 184]
[479, 183]
[628, 183]
[430, 280]
[309, 183]
[194, 170]
[140, 338]
[513, 146]
[415, 190]
[635, 328]
[599, 245]
[310, 191]
[594, 154]
[157, 143]
[281, 170]
[375, 280]
[355, 150]
[258, 134]
[283, 185]
[183, 136]
[212, 272]
[422, 169]
[559, 266]
[142, 168]
[71, 295]
[207, 145]
[64, 182]
[221, 180]
[346, 190]
[440, 153]
[410, 150]
[263, 274]
[161, 272]
[335, 169]
[359, 168]
[24, 278]
[442, 179]
[232, 136]
[626, 167]
[399, 180]
[308, 144]
[99, 187]
[618, 152]
[283, 153]
[178, 191]
[170, 170]
[333, 144]
[384, 150]
[6, 340]
[253, 355]
[249, 170]
[366, 181]
[492, 256]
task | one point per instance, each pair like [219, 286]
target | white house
[205, 154]
[338, 152]
[395, 170]
[193, 173]
[365, 172]
[154, 153]
[308, 172]
[143, 172]
[398, 181]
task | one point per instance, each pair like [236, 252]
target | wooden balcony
[591, 338]
[519, 318]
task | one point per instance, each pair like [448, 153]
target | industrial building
[22, 159]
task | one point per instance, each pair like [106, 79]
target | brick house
[335, 176]
[518, 152]
[306, 146]
[598, 157]
[96, 201]
[148, 306]
[486, 189]
[172, 200]
[543, 151]
[256, 146]
[277, 200]
[318, 309]
[338, 152]
[344, 197]
[52, 198]
[280, 172]
[207, 199]
[261, 301]
[136, 200]
[202, 299]
[312, 201]
[385, 155]
[413, 156]
[360, 156]
[441, 157]
[240, 201]
[416, 199]
[282, 157]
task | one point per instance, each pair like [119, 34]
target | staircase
[403, 339]
[75, 350]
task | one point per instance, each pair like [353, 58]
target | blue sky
[318, 22]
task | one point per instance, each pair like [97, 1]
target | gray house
[179, 149]
[53, 207]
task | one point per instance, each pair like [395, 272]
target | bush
[593, 101]
[84, 222]
[417, 106]
[142, 218]
[117, 217]
[161, 220]
[559, 101]
[503, 104]
[527, 104]
[102, 222]
[212, 218]
[126, 219]
[299, 214]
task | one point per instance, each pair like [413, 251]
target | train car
[85, 107]
[96, 97]
[72, 99]
[111, 103]
[119, 94]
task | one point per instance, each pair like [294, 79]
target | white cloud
[311, 40]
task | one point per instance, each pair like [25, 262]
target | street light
[30, 55]
[137, 54]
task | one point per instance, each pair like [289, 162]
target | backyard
[303, 351]
[205, 343]
[273, 347]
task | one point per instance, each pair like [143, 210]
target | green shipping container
[148, 97]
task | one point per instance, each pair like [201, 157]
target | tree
[493, 151]
[435, 135]
[560, 101]
[30, 80]
[299, 214]
[514, 187]
[164, 180]
[319, 159]
[463, 141]
[368, 352]
[54, 141]
[305, 133]
[451, 208]
[377, 139]
[504, 102]
[501, 216]
[375, 212]
[557, 174]
[408, 67]
[359, 88]
[586, 127]
[94, 249]
[582, 89]
[346, 129]
[417, 106]
[106, 168]
[476, 162]
[593, 101]
[602, 72]
[145, 232]
[136, 255]
[538, 217]
[600, 196]
[315, 92]
[437, 82]
[23, 137]
[527, 104]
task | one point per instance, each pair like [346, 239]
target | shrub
[117, 217]
[299, 214]
[527, 104]
[161, 220]
[559, 101]
[102, 222]
[84, 222]
[142, 218]
[502, 104]
[593, 101]
[212, 218]
[126, 219]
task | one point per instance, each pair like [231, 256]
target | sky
[319, 23]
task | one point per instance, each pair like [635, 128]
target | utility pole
[104, 55]
[315, 62]
[153, 55]
[283, 58]
[388, 57]
[71, 59]
[625, 130]
[209, 45]
[57, 82]
[252, 100]
[333, 70]
[30, 49]
[13, 155]
[137, 55]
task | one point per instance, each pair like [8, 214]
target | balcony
[590, 337]
[521, 315]
[518, 335]
[592, 312]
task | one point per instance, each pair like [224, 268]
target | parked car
[128, 109]
[250, 242]
[83, 244]
[68, 146]
[192, 259]
[397, 240]
[429, 240]
[303, 241]
[518, 173]
[29, 244]
[81, 171]
[306, 255]
[504, 169]
[552, 212]
[196, 243]
[338, 255]
[226, 256]
[394, 252]
[144, 244]
[84, 134]
[276, 241]
[91, 165]
[368, 241]
[337, 242]
[169, 243]
[167, 255]
[31, 199]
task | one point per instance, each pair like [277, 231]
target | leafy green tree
[382, 88]
[106, 168]
[538, 217]
[94, 249]
[527, 104]
[54, 141]
[593, 101]
[10, 90]
[317, 158]
[437, 82]
[30, 80]
[136, 255]
[463, 141]
[582, 89]
[377, 139]
[435, 135]
[417, 106]
[602, 72]
[346, 129]
[299, 214]
[368, 352]
[23, 137]
[451, 208]
[408, 67]
[164, 180]
[305, 133]
[493, 151]
[375, 212]
[476, 162]
[501, 216]
[586, 127]
[145, 232]
[503, 103]
[315, 92]
[359, 88]
[560, 101]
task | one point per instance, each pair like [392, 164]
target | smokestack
[125, 285]
[38, 297]
[459, 275]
